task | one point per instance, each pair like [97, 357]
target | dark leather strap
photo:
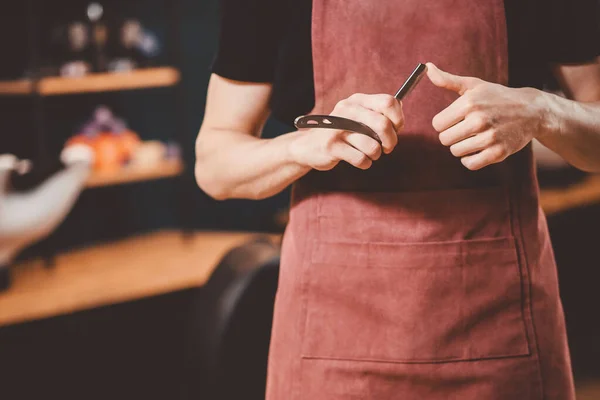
[331, 122]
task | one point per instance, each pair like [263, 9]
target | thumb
[446, 80]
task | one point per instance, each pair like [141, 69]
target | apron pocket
[414, 302]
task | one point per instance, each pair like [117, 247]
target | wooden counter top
[161, 262]
[584, 193]
[130, 269]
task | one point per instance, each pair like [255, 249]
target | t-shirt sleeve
[572, 30]
[249, 35]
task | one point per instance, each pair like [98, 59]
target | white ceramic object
[28, 217]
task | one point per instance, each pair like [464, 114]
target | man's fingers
[380, 124]
[470, 126]
[491, 155]
[382, 103]
[345, 152]
[446, 80]
[453, 114]
[472, 144]
[365, 144]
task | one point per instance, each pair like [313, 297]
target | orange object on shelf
[111, 150]
[129, 142]
[109, 153]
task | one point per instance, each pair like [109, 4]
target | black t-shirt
[270, 41]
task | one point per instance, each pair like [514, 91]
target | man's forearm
[573, 131]
[236, 165]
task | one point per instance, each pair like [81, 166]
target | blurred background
[120, 278]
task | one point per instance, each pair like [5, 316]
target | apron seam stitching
[527, 308]
[305, 263]
[530, 312]
[502, 47]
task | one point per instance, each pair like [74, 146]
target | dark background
[113, 212]
[140, 349]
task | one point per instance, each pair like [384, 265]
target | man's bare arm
[232, 161]
[575, 133]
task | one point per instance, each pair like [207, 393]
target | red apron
[416, 279]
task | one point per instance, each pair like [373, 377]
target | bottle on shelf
[77, 59]
[99, 35]
[132, 46]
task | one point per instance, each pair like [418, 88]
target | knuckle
[388, 101]
[499, 154]
[477, 86]
[356, 97]
[471, 104]
[342, 105]
[383, 124]
[480, 121]
[395, 140]
[362, 160]
[486, 140]
[389, 147]
[400, 123]
[373, 150]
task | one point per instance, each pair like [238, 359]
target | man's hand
[323, 149]
[488, 122]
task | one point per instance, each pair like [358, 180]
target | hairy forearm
[236, 165]
[573, 131]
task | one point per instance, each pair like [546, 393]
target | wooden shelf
[135, 174]
[581, 194]
[130, 269]
[105, 82]
[20, 87]
[589, 390]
